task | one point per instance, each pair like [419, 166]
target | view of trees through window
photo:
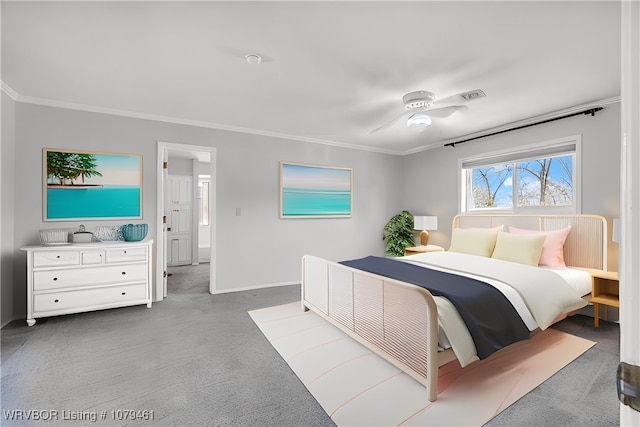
[538, 182]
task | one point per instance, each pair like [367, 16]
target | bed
[418, 332]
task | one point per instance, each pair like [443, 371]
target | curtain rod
[591, 111]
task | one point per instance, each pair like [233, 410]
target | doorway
[182, 221]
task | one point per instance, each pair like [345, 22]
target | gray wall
[7, 197]
[178, 166]
[431, 186]
[247, 177]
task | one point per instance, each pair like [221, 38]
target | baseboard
[250, 288]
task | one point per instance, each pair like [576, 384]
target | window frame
[570, 145]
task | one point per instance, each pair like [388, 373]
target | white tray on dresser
[74, 278]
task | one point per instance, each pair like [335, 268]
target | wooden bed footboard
[397, 321]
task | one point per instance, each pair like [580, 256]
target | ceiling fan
[418, 106]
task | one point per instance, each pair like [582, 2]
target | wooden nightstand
[605, 290]
[421, 249]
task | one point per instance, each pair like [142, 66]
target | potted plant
[399, 234]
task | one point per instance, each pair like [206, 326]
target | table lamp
[425, 223]
[615, 235]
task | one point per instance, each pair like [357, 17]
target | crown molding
[175, 120]
[9, 91]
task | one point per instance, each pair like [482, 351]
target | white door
[208, 155]
[179, 208]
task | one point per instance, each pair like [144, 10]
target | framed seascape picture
[87, 185]
[311, 191]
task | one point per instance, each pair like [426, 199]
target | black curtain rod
[591, 111]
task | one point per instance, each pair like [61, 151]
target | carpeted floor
[193, 360]
[188, 279]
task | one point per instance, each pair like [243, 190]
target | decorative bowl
[134, 232]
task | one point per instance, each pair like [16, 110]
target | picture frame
[86, 185]
[314, 191]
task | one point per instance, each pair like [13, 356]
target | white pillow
[520, 248]
[474, 241]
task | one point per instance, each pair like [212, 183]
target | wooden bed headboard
[586, 244]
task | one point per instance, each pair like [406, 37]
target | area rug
[358, 388]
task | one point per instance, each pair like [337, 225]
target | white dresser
[84, 277]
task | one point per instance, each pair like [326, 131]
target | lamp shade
[615, 234]
[425, 222]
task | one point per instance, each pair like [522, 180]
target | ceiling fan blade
[445, 111]
[461, 97]
[389, 123]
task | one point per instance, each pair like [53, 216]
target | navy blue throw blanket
[490, 317]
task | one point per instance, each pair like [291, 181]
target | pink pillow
[553, 248]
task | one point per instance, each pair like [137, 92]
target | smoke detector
[253, 58]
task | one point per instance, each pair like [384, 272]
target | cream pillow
[520, 248]
[474, 241]
[553, 248]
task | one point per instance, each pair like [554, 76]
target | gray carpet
[198, 359]
[188, 279]
[193, 359]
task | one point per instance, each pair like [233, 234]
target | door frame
[161, 261]
[630, 196]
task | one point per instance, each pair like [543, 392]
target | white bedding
[539, 295]
[579, 280]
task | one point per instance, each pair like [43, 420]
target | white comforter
[539, 295]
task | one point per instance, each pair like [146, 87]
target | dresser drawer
[88, 299]
[55, 258]
[74, 277]
[126, 254]
[91, 257]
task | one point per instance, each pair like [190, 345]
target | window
[203, 185]
[537, 178]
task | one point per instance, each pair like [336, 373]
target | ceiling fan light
[419, 120]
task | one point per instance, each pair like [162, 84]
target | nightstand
[421, 249]
[605, 290]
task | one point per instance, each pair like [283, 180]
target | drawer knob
[124, 293]
[55, 278]
[124, 272]
[56, 300]
[57, 256]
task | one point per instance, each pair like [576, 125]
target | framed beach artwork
[91, 186]
[311, 191]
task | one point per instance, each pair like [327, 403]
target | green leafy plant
[399, 234]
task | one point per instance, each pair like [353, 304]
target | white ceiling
[331, 71]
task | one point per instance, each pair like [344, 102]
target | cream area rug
[358, 388]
